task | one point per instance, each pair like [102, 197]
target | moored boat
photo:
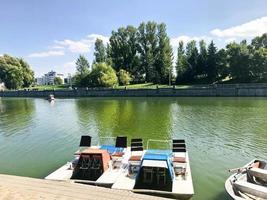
[97, 165]
[248, 182]
[159, 172]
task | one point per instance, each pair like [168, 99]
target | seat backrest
[137, 144]
[121, 142]
[85, 141]
[178, 141]
[178, 145]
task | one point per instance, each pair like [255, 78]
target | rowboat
[248, 182]
[158, 172]
[96, 165]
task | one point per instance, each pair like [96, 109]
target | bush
[102, 75]
[124, 77]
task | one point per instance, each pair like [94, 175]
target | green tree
[58, 81]
[163, 61]
[124, 77]
[15, 72]
[202, 60]
[222, 65]
[260, 41]
[148, 49]
[100, 51]
[123, 50]
[181, 65]
[239, 61]
[191, 61]
[102, 75]
[212, 68]
[82, 68]
[259, 65]
[28, 74]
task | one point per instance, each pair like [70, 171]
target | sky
[51, 34]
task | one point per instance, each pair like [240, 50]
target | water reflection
[132, 117]
[16, 115]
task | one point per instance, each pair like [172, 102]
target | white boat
[51, 97]
[97, 165]
[158, 172]
[248, 182]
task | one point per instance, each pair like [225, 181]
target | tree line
[144, 54]
[237, 62]
[133, 55]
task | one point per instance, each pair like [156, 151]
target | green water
[36, 137]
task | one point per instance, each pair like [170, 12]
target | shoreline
[252, 90]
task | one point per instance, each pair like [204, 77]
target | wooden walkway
[22, 188]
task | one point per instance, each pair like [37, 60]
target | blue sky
[51, 34]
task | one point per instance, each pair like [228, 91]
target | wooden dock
[23, 188]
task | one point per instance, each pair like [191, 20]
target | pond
[36, 136]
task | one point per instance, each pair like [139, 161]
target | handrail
[154, 140]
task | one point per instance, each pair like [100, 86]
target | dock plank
[24, 188]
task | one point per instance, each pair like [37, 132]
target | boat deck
[23, 188]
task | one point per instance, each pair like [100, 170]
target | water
[37, 137]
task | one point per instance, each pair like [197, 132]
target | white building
[49, 78]
[2, 86]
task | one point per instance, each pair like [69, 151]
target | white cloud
[70, 64]
[83, 45]
[46, 54]
[186, 39]
[250, 29]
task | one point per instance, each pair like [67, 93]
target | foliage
[100, 51]
[58, 81]
[102, 75]
[82, 68]
[15, 72]
[124, 77]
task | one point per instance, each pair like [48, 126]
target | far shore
[214, 90]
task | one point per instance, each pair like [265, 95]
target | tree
[100, 51]
[259, 65]
[102, 75]
[181, 65]
[163, 61]
[222, 64]
[212, 67]
[15, 72]
[28, 74]
[123, 51]
[191, 61]
[82, 66]
[202, 60]
[239, 61]
[259, 41]
[148, 41]
[124, 77]
[58, 81]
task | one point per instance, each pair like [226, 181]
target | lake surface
[36, 137]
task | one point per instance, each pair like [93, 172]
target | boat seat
[258, 172]
[118, 154]
[250, 188]
[135, 158]
[179, 159]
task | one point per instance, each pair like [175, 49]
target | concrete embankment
[22, 188]
[235, 90]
